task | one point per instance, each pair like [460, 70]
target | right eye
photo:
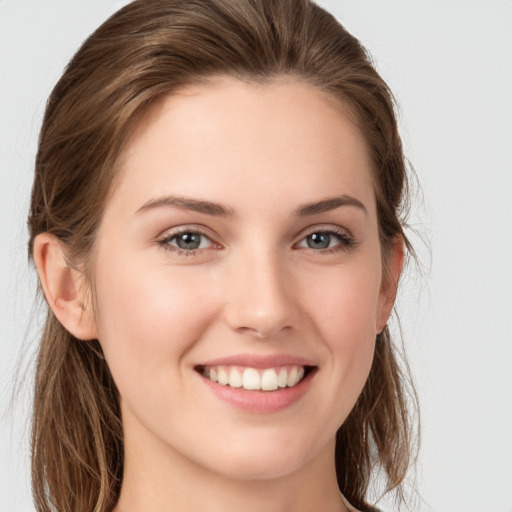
[186, 242]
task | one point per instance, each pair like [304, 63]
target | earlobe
[392, 271]
[63, 288]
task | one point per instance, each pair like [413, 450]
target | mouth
[256, 379]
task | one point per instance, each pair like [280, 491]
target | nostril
[261, 308]
[264, 331]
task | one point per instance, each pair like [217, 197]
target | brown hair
[148, 49]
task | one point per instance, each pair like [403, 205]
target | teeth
[268, 379]
[282, 379]
[293, 377]
[251, 379]
[222, 377]
[235, 378]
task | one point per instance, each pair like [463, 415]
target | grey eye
[319, 240]
[188, 241]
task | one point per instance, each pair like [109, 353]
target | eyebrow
[188, 203]
[330, 203]
[219, 210]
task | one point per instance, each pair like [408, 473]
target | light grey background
[450, 66]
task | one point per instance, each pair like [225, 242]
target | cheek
[150, 317]
[343, 306]
[344, 301]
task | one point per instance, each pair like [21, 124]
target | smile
[252, 379]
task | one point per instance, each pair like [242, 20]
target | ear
[63, 287]
[393, 264]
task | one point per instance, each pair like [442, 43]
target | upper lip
[259, 361]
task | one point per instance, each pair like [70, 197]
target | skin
[254, 286]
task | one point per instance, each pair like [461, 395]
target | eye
[326, 239]
[189, 241]
[186, 242]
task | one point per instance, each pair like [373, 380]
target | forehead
[230, 140]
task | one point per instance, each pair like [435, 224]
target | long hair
[149, 49]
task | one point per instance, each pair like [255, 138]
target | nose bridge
[259, 303]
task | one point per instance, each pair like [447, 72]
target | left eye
[324, 240]
[189, 241]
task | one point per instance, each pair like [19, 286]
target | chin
[257, 461]
[260, 469]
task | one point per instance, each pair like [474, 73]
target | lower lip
[261, 402]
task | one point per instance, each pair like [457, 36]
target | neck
[160, 479]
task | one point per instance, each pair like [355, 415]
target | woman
[215, 222]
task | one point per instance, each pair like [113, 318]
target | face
[238, 278]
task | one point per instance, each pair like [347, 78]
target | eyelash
[165, 242]
[346, 242]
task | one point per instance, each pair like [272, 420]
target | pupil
[189, 241]
[319, 240]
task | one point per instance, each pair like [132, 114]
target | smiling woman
[216, 226]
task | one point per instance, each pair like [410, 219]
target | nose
[260, 302]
